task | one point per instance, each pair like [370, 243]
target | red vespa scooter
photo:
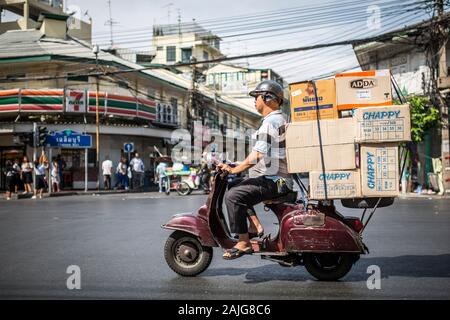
[316, 236]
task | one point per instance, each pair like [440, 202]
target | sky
[296, 22]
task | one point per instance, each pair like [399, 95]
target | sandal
[236, 253]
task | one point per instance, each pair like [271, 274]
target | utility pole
[443, 74]
[191, 111]
[97, 118]
[35, 143]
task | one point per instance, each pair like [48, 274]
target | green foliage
[424, 116]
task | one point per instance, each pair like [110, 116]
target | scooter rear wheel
[328, 266]
[185, 255]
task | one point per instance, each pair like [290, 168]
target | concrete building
[45, 79]
[177, 43]
[237, 81]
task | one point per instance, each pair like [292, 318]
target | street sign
[68, 139]
[128, 147]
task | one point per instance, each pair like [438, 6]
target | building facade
[50, 78]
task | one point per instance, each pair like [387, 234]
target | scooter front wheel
[328, 266]
[185, 255]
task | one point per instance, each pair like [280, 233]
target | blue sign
[128, 147]
[68, 139]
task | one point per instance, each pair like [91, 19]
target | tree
[424, 116]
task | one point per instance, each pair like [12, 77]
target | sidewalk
[65, 193]
[412, 195]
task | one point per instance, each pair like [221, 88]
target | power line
[261, 54]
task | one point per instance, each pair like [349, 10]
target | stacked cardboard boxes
[361, 152]
[303, 145]
[363, 89]
[303, 100]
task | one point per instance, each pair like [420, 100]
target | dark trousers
[107, 181]
[136, 181]
[243, 196]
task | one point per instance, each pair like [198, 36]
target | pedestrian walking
[12, 175]
[107, 166]
[137, 171]
[27, 175]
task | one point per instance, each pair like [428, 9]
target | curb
[96, 193]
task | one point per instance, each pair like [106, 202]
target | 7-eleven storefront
[123, 119]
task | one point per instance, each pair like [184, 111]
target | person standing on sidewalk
[55, 177]
[162, 176]
[61, 167]
[122, 178]
[107, 168]
[40, 168]
[18, 180]
[12, 176]
[27, 175]
[137, 169]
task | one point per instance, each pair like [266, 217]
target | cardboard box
[303, 101]
[306, 133]
[383, 124]
[340, 184]
[363, 89]
[303, 151]
[379, 170]
[336, 157]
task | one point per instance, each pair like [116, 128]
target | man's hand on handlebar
[225, 167]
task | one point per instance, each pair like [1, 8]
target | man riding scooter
[268, 175]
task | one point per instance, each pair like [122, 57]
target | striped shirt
[270, 141]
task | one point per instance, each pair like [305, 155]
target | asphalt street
[117, 242]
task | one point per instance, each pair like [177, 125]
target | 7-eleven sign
[75, 101]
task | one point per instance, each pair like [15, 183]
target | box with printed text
[339, 184]
[303, 100]
[383, 124]
[363, 89]
[379, 170]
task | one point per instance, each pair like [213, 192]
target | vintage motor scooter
[313, 235]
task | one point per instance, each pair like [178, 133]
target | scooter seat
[290, 197]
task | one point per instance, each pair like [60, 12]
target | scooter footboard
[192, 224]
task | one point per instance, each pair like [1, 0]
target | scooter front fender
[193, 224]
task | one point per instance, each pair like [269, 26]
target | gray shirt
[270, 141]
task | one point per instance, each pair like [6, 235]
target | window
[205, 55]
[170, 53]
[238, 124]
[225, 119]
[159, 48]
[186, 54]
[174, 103]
